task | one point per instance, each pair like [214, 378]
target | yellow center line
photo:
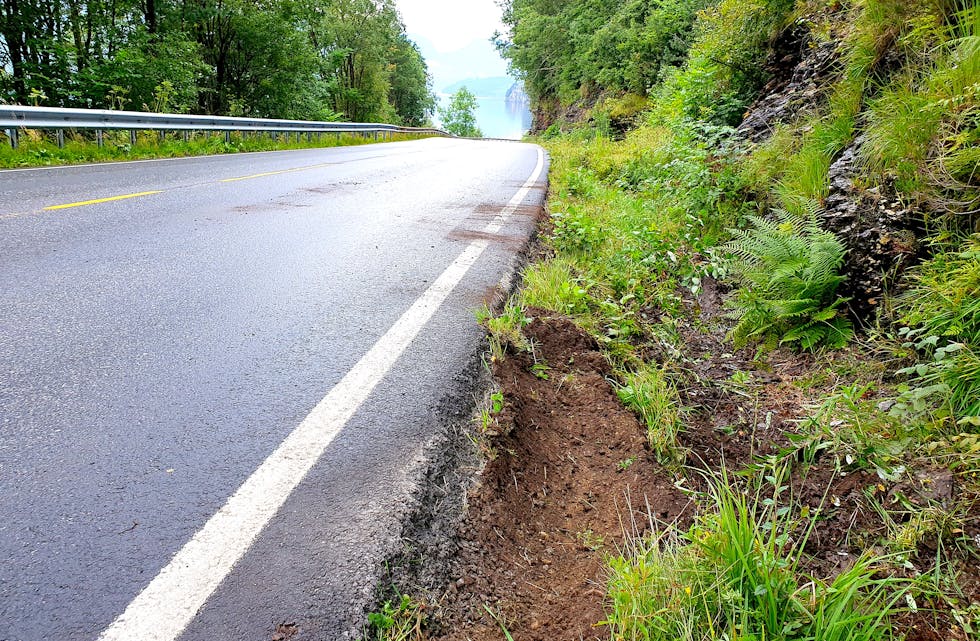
[100, 200]
[276, 173]
[150, 193]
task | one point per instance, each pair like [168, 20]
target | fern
[788, 268]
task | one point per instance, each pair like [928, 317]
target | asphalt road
[157, 351]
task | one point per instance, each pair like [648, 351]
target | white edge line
[169, 603]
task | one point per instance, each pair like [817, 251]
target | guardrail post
[227, 137]
[186, 135]
[60, 137]
[309, 136]
[98, 138]
[12, 135]
[132, 137]
[163, 135]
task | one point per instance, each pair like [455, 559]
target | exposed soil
[570, 474]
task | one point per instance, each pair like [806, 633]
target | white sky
[451, 24]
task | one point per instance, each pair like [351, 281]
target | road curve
[194, 349]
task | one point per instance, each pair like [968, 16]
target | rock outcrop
[878, 229]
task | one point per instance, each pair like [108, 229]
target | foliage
[401, 621]
[725, 66]
[788, 268]
[506, 329]
[564, 48]
[650, 393]
[923, 128]
[281, 58]
[551, 285]
[35, 151]
[638, 234]
[736, 575]
[942, 308]
[459, 116]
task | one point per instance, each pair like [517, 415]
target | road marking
[170, 602]
[306, 168]
[281, 171]
[101, 200]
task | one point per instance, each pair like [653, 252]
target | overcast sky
[451, 24]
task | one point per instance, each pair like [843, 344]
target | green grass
[650, 393]
[552, 285]
[736, 574]
[403, 620]
[38, 150]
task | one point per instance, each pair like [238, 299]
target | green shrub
[942, 308]
[725, 67]
[788, 270]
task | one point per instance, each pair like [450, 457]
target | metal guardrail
[16, 117]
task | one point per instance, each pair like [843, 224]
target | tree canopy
[308, 59]
[562, 48]
[459, 116]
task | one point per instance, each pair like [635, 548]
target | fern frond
[788, 267]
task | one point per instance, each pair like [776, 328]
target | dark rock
[800, 70]
[879, 230]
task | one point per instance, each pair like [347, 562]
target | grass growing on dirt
[735, 574]
[37, 149]
[401, 620]
[650, 393]
[668, 247]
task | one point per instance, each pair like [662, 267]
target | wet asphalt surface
[154, 351]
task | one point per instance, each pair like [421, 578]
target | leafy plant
[941, 311]
[506, 330]
[399, 621]
[788, 270]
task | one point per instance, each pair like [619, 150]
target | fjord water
[499, 118]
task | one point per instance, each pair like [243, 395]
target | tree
[567, 49]
[459, 117]
[411, 87]
[303, 59]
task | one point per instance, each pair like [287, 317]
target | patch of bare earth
[570, 473]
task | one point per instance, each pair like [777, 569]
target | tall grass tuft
[649, 392]
[736, 574]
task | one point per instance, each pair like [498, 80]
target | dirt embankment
[569, 476]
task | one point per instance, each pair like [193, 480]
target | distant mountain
[495, 87]
[479, 59]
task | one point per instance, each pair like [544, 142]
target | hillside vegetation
[765, 213]
[342, 59]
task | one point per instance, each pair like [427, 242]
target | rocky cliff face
[879, 230]
[801, 71]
